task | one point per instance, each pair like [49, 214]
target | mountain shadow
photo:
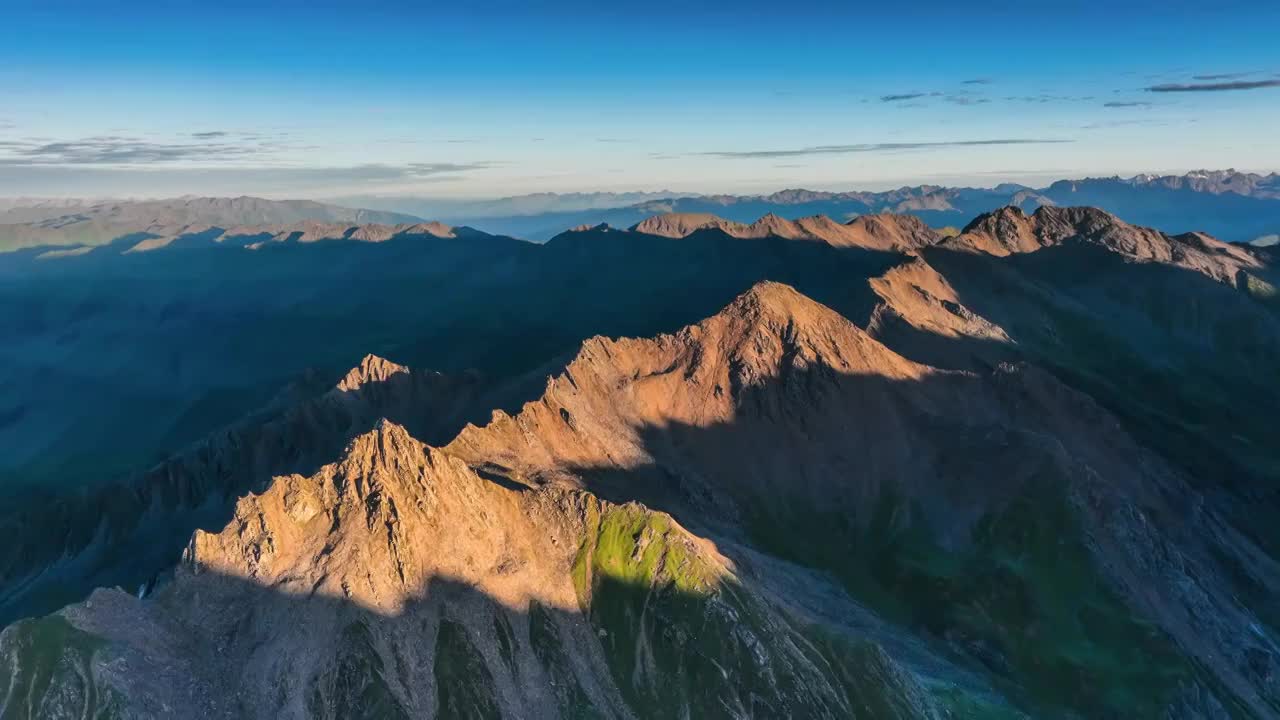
[1185, 362]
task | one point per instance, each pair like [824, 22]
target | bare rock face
[885, 232]
[922, 316]
[127, 532]
[1010, 230]
[890, 232]
[678, 225]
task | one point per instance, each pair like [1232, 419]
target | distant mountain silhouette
[52, 223]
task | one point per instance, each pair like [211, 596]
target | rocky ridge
[1010, 230]
[872, 232]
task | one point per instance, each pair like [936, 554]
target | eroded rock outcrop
[127, 532]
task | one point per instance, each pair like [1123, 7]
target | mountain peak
[890, 231]
[371, 369]
[872, 232]
[591, 227]
[369, 527]
[433, 228]
[770, 352]
[1010, 230]
[776, 225]
[773, 298]
[679, 225]
[387, 445]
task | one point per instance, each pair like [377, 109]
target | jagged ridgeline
[991, 491]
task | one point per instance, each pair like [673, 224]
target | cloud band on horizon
[875, 147]
[1213, 86]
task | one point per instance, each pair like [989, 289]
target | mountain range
[690, 466]
[1227, 204]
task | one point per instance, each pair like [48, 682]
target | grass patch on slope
[46, 671]
[683, 639]
[1023, 601]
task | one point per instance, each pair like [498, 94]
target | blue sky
[330, 98]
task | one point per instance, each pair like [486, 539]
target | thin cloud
[124, 160]
[213, 146]
[422, 170]
[873, 148]
[118, 150]
[1223, 76]
[966, 99]
[1144, 122]
[1214, 86]
[976, 81]
[1047, 98]
[906, 96]
[226, 179]
[1126, 104]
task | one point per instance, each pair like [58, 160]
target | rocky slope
[870, 232]
[981, 530]
[1010, 230]
[127, 533]
[922, 316]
